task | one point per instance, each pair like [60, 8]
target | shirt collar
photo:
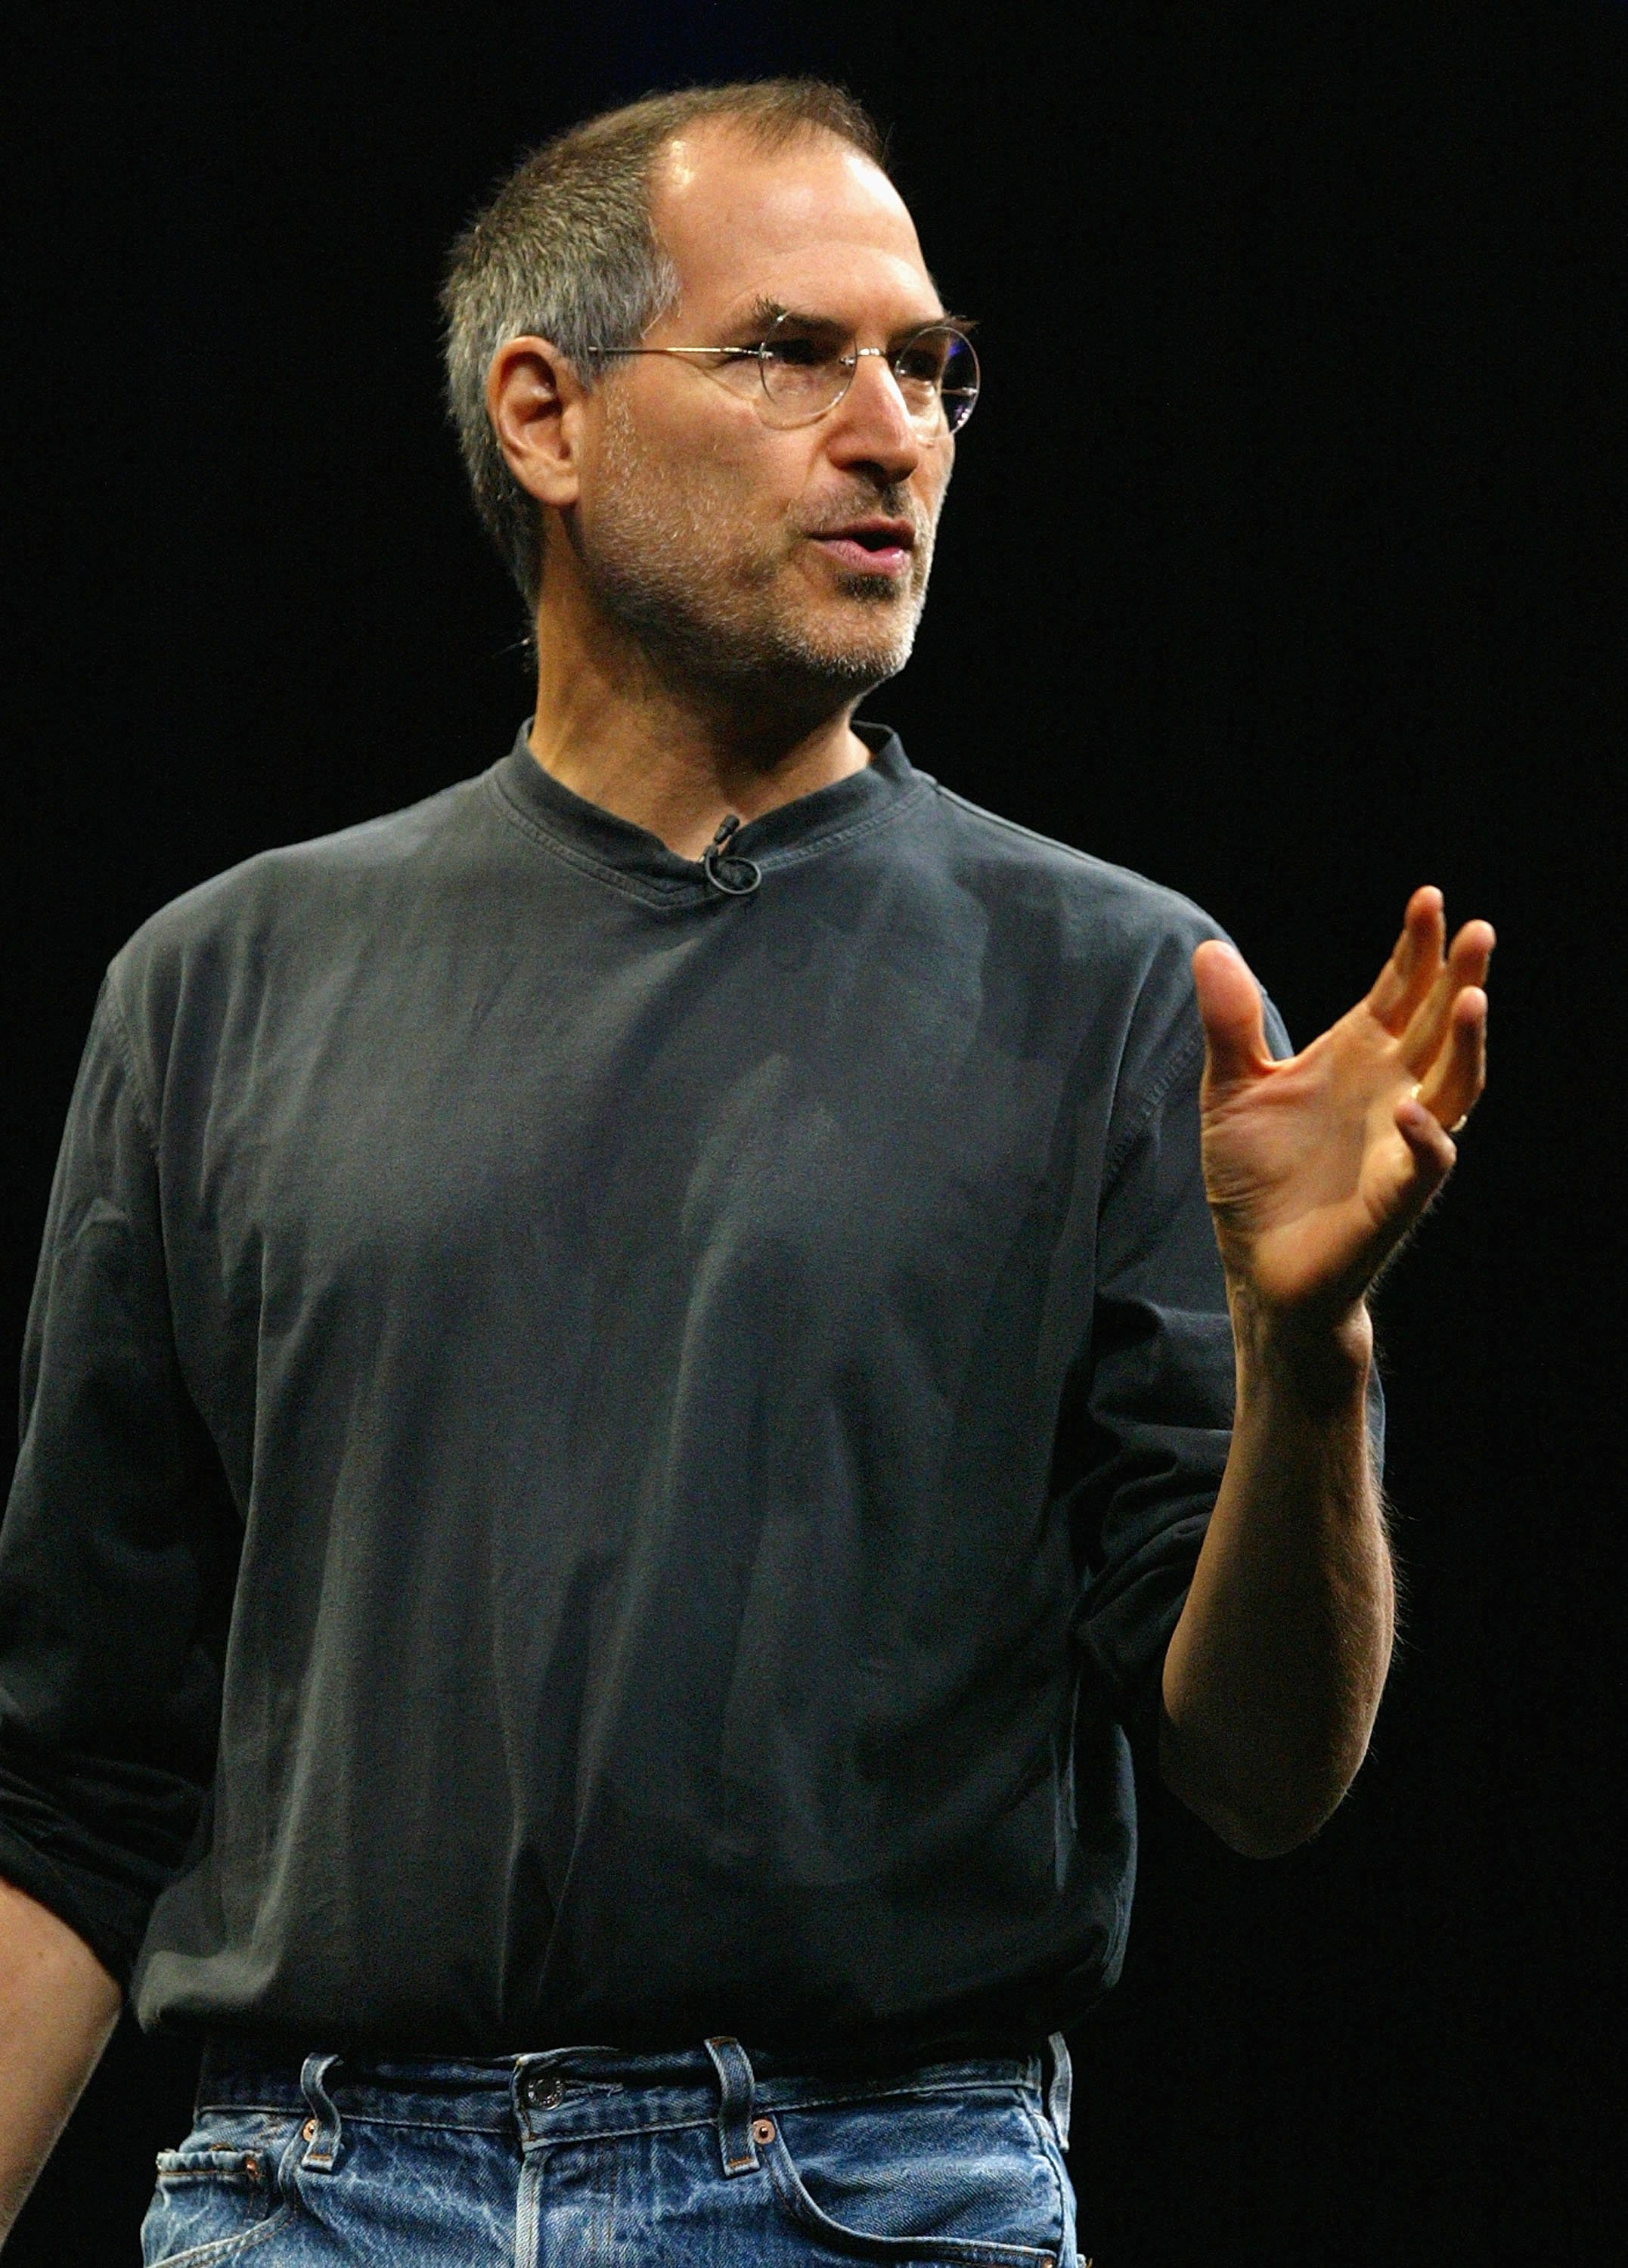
[590, 836]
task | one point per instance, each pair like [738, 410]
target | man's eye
[924, 365]
[796, 354]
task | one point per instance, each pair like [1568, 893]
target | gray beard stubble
[657, 570]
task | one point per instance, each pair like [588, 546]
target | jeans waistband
[563, 2092]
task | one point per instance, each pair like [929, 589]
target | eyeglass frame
[850, 361]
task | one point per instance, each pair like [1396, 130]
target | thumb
[1230, 1002]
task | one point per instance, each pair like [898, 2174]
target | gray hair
[566, 252]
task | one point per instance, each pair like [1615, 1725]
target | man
[631, 1399]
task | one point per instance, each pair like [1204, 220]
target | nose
[871, 424]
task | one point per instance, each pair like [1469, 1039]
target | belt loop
[1060, 2094]
[734, 2109]
[322, 2127]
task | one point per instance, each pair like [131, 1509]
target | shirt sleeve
[1147, 1421]
[118, 1545]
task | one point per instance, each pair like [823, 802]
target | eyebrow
[763, 313]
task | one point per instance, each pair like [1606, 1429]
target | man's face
[734, 550]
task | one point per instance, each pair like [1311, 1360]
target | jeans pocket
[221, 2194]
[944, 2178]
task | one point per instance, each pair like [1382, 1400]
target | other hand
[1318, 1167]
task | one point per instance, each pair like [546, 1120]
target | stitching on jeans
[1051, 2150]
[500, 2125]
[198, 2256]
[884, 2093]
[863, 2091]
[764, 2098]
[786, 2178]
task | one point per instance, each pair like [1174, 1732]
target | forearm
[57, 2006]
[1274, 1673]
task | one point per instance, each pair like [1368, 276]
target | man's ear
[534, 399]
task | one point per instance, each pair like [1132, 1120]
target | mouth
[869, 547]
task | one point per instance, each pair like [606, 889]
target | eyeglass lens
[807, 367]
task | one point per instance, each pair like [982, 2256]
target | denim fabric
[589, 2157]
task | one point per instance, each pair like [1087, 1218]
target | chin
[870, 639]
[848, 665]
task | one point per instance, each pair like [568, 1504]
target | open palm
[1318, 1167]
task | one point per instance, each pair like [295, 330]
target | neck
[673, 755]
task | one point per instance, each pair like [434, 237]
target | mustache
[864, 503]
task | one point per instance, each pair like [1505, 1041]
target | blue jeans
[589, 2157]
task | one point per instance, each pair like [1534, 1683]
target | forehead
[813, 225]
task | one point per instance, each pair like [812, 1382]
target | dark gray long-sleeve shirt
[604, 1462]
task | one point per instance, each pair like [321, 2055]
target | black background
[1284, 562]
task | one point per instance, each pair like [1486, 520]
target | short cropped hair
[566, 251]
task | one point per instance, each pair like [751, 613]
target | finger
[1466, 967]
[1230, 1002]
[1473, 949]
[1459, 1074]
[1431, 1149]
[1415, 960]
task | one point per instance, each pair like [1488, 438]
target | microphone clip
[734, 876]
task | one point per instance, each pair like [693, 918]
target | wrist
[1319, 1357]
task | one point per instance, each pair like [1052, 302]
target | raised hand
[1318, 1167]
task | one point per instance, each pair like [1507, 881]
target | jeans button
[546, 2095]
